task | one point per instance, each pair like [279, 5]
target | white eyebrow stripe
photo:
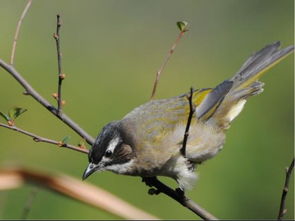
[112, 145]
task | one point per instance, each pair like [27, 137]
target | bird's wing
[154, 120]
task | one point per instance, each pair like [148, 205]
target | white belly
[204, 141]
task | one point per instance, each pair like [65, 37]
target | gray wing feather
[259, 61]
[215, 96]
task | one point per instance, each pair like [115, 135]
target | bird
[147, 141]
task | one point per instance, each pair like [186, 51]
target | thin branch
[74, 189]
[29, 90]
[172, 49]
[178, 196]
[61, 76]
[283, 210]
[18, 29]
[37, 138]
[28, 206]
[189, 120]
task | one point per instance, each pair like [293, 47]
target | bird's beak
[89, 170]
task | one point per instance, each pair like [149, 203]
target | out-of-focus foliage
[111, 51]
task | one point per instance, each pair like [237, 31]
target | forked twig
[29, 90]
[37, 138]
[189, 120]
[283, 210]
[18, 29]
[61, 76]
[171, 51]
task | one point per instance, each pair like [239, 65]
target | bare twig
[29, 90]
[18, 29]
[61, 76]
[43, 139]
[74, 189]
[28, 206]
[283, 210]
[189, 120]
[172, 49]
[178, 196]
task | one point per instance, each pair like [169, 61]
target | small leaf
[5, 116]
[16, 112]
[182, 25]
[66, 139]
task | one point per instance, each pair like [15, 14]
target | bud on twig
[54, 95]
[62, 76]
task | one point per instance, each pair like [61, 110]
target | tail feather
[246, 84]
[259, 63]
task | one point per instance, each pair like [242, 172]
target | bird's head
[112, 151]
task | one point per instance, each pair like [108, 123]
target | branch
[17, 30]
[74, 189]
[183, 28]
[189, 120]
[29, 90]
[37, 138]
[283, 210]
[178, 196]
[61, 76]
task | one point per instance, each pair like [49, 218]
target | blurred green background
[111, 51]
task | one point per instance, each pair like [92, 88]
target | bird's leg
[150, 181]
[180, 192]
[160, 187]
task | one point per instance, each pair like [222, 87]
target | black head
[112, 150]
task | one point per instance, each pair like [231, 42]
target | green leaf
[182, 25]
[16, 112]
[66, 139]
[5, 116]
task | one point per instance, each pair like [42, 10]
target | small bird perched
[147, 141]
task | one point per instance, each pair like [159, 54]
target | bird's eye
[108, 153]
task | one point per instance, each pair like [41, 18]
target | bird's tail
[245, 82]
